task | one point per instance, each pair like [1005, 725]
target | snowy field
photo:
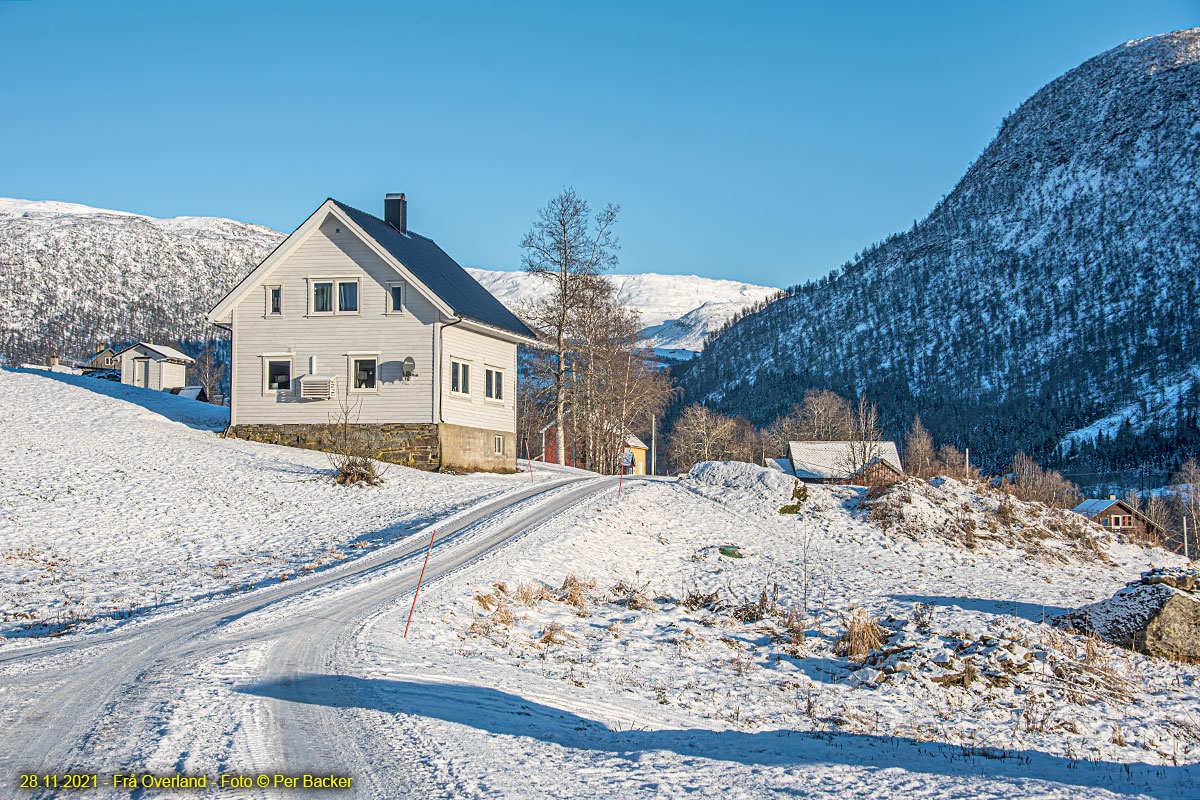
[618, 652]
[682, 640]
[116, 501]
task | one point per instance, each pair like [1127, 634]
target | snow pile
[119, 500]
[972, 515]
[740, 475]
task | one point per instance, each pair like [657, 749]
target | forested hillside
[1048, 303]
[73, 276]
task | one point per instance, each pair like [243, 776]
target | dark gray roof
[441, 273]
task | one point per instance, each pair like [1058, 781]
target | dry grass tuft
[575, 590]
[632, 596]
[862, 635]
[555, 634]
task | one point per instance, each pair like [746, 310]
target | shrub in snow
[800, 495]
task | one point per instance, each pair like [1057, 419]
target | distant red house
[550, 447]
[633, 445]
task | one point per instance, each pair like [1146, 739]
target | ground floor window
[278, 372]
[364, 373]
[460, 377]
[493, 384]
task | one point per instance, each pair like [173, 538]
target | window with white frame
[364, 373]
[329, 296]
[274, 301]
[277, 374]
[395, 300]
[498, 445]
[493, 384]
[460, 378]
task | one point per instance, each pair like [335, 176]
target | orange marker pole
[418, 592]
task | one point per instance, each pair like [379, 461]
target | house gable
[221, 314]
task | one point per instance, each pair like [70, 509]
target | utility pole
[653, 445]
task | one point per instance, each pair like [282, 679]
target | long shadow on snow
[1034, 612]
[501, 713]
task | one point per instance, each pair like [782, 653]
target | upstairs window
[348, 297]
[460, 377]
[274, 301]
[493, 384]
[333, 296]
[395, 298]
[322, 297]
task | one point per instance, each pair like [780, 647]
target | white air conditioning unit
[318, 387]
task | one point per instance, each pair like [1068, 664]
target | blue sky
[765, 142]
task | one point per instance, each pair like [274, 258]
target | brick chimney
[395, 211]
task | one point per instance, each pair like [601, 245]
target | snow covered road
[182, 688]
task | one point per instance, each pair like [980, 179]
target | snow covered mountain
[76, 276]
[1054, 287]
[79, 276]
[679, 311]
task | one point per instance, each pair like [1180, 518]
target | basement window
[498, 445]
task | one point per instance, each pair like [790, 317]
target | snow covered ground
[117, 500]
[682, 639]
[618, 652]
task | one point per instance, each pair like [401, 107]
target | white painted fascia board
[497, 333]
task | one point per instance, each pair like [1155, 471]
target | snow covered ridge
[1016, 306]
[679, 311]
[120, 501]
[81, 276]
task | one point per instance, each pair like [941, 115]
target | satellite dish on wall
[409, 367]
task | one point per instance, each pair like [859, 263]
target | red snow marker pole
[418, 592]
[528, 460]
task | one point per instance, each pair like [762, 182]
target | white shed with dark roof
[154, 366]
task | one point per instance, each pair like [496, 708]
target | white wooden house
[356, 313]
[154, 366]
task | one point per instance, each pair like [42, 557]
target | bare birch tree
[699, 435]
[568, 248]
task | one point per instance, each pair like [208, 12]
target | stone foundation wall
[475, 449]
[411, 444]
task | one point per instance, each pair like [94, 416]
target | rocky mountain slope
[78, 276]
[1053, 289]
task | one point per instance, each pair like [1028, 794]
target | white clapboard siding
[333, 252]
[480, 352]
